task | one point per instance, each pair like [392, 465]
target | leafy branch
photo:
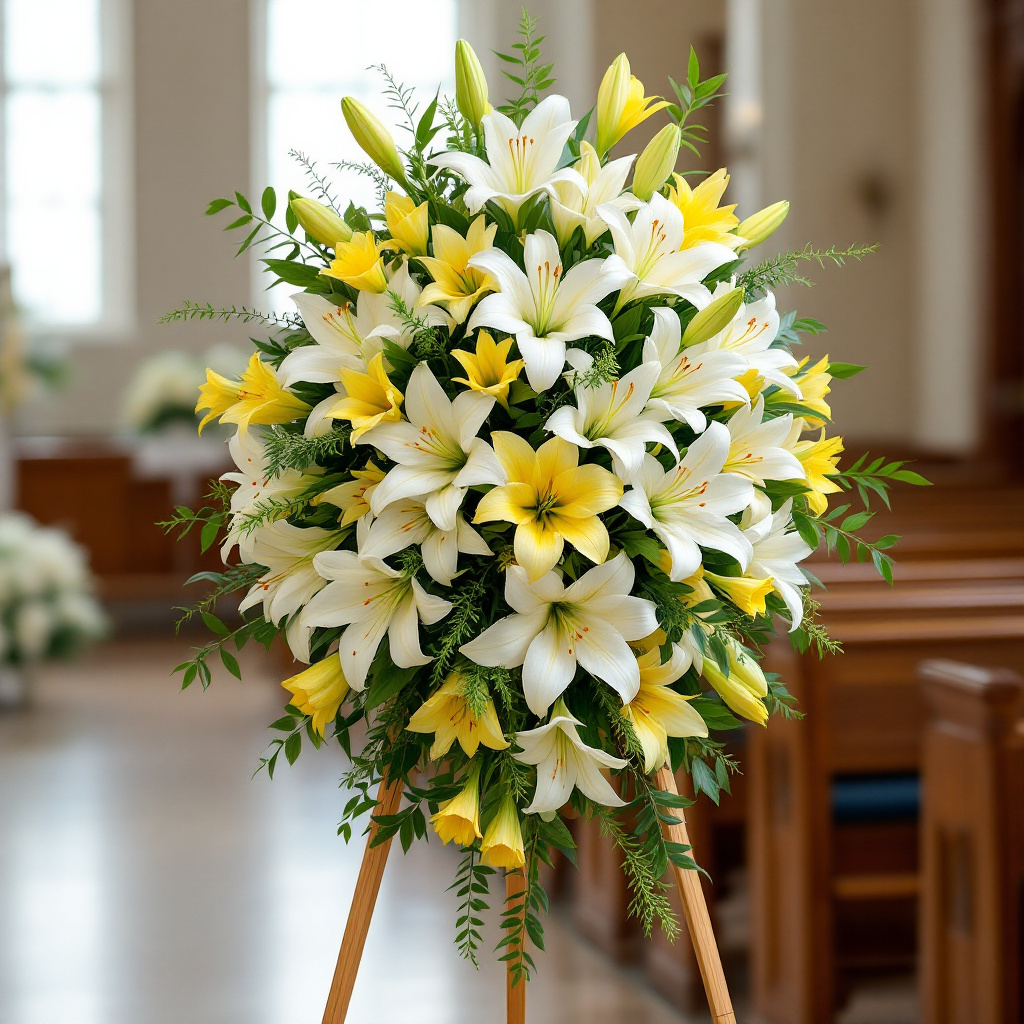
[690, 97]
[526, 70]
[321, 186]
[471, 888]
[841, 537]
[199, 311]
[878, 477]
[285, 450]
[268, 207]
[781, 270]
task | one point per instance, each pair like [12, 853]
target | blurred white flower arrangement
[163, 390]
[47, 606]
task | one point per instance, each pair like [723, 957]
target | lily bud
[373, 138]
[611, 102]
[759, 226]
[320, 223]
[470, 84]
[713, 318]
[734, 690]
[656, 162]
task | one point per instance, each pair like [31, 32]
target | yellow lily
[319, 691]
[447, 714]
[814, 386]
[503, 841]
[621, 104]
[819, 460]
[744, 686]
[407, 223]
[658, 711]
[551, 499]
[358, 262]
[746, 592]
[703, 219]
[371, 398]
[456, 284]
[459, 818]
[489, 370]
[257, 398]
[353, 496]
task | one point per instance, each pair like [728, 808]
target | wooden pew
[812, 879]
[972, 845]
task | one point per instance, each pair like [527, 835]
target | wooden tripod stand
[695, 910]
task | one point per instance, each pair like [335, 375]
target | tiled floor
[146, 879]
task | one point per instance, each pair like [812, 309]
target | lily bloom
[703, 219]
[689, 381]
[406, 522]
[358, 263]
[502, 845]
[446, 713]
[748, 593]
[319, 691]
[456, 284]
[658, 711]
[407, 223]
[551, 499]
[489, 369]
[818, 460]
[258, 397]
[612, 416]
[743, 688]
[542, 307]
[438, 453]
[648, 253]
[353, 497]
[370, 398]
[687, 507]
[564, 762]
[370, 599]
[555, 627]
[573, 207]
[459, 818]
[521, 161]
[759, 449]
[776, 554]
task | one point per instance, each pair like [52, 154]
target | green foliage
[525, 70]
[320, 183]
[877, 477]
[777, 271]
[285, 449]
[811, 633]
[841, 537]
[691, 96]
[471, 888]
[206, 311]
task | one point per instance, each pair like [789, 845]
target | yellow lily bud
[407, 223]
[746, 592]
[735, 693]
[713, 318]
[656, 162]
[459, 818]
[373, 138]
[759, 226]
[611, 100]
[744, 668]
[319, 691]
[503, 841]
[470, 84]
[358, 262]
[322, 224]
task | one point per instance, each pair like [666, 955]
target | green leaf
[388, 679]
[908, 476]
[851, 524]
[286, 724]
[268, 203]
[209, 534]
[293, 747]
[843, 371]
[230, 662]
[243, 202]
[246, 218]
[217, 205]
[704, 780]
[214, 624]
[717, 715]
[299, 274]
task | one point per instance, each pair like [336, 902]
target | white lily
[288, 552]
[371, 599]
[543, 308]
[686, 507]
[776, 554]
[647, 251]
[350, 336]
[689, 381]
[757, 448]
[750, 335]
[438, 453]
[573, 207]
[555, 627]
[564, 762]
[612, 416]
[521, 161]
[256, 487]
[406, 522]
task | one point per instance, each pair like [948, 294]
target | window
[54, 93]
[320, 50]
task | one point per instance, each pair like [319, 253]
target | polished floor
[146, 878]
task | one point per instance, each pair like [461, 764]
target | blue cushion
[863, 798]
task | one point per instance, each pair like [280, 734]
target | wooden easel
[695, 910]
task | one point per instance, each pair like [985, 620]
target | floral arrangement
[527, 480]
[162, 391]
[47, 607]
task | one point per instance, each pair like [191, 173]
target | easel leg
[515, 996]
[698, 920]
[363, 900]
